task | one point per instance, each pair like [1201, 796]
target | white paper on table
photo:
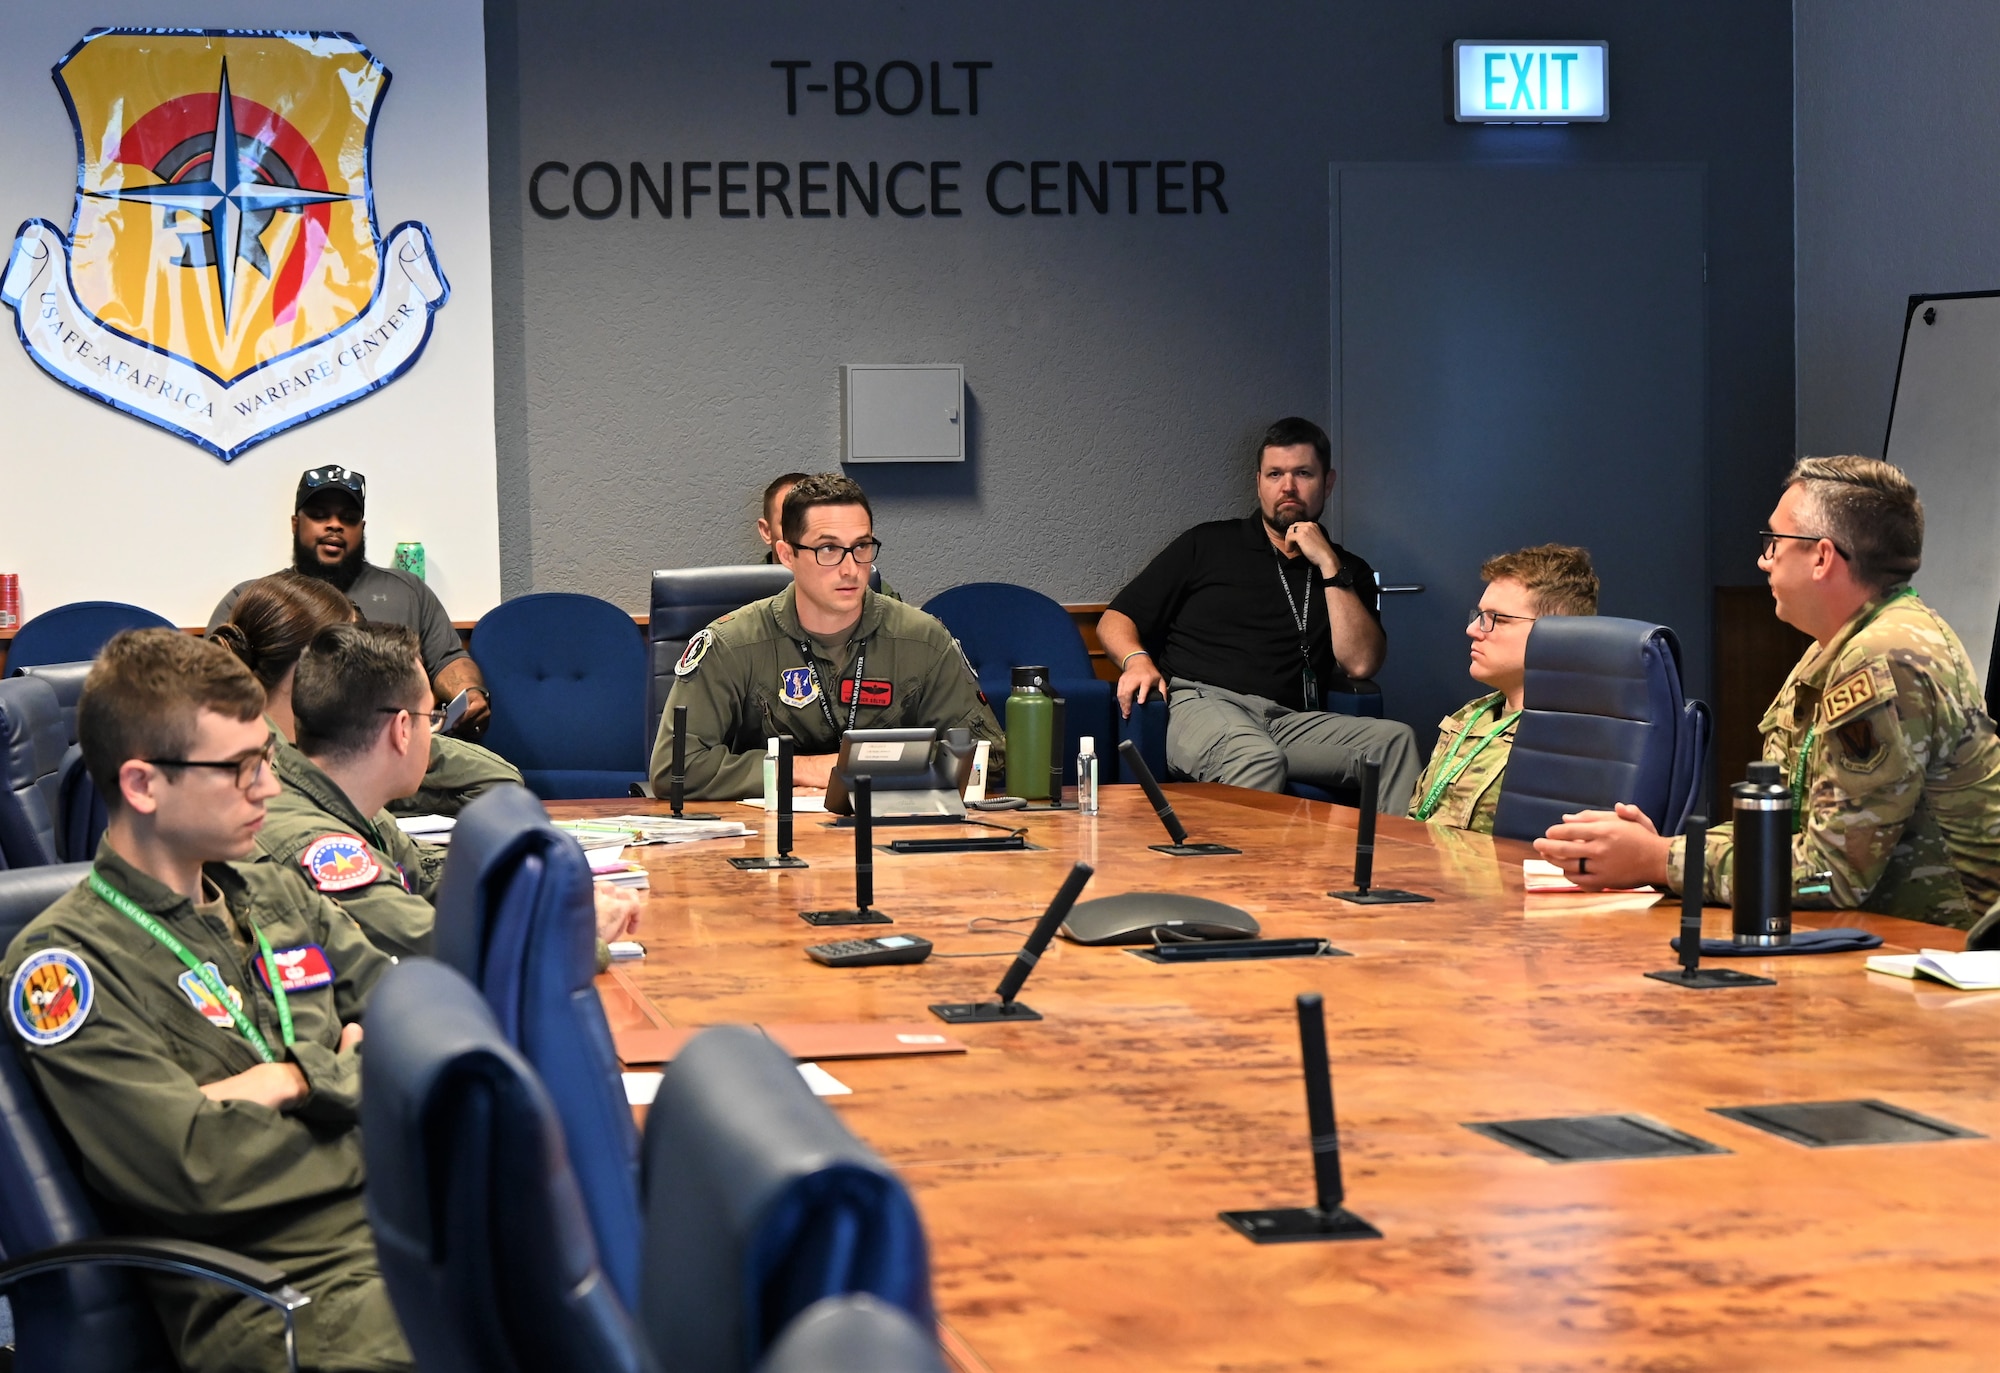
[641, 1088]
[801, 805]
[424, 826]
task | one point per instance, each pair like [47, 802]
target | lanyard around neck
[1449, 774]
[1301, 612]
[125, 906]
[1812, 730]
[854, 705]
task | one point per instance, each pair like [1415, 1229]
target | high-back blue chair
[75, 632]
[1604, 722]
[854, 1334]
[74, 1307]
[31, 754]
[685, 599]
[516, 916]
[81, 816]
[1001, 627]
[478, 1220]
[67, 681]
[760, 1202]
[568, 674]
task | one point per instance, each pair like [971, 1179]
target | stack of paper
[653, 829]
[430, 829]
[614, 871]
[1976, 971]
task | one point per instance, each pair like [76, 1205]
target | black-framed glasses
[1771, 538]
[436, 717]
[246, 768]
[864, 552]
[1488, 619]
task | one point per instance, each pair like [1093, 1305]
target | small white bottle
[1086, 776]
[771, 776]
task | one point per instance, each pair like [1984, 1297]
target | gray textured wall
[1898, 193]
[652, 374]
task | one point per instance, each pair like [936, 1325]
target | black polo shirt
[1211, 608]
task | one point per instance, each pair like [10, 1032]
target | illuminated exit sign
[1531, 83]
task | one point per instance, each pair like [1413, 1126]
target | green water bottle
[1030, 726]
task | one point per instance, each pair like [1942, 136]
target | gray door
[1518, 358]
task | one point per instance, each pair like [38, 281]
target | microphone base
[783, 860]
[1378, 896]
[693, 815]
[1193, 850]
[983, 1012]
[1298, 1225]
[846, 917]
[1709, 979]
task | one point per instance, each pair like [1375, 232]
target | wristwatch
[1344, 579]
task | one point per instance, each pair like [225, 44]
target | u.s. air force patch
[50, 996]
[195, 989]
[1859, 691]
[339, 862]
[696, 650]
[797, 687]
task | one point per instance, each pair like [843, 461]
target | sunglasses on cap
[332, 478]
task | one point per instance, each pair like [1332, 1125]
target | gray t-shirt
[391, 596]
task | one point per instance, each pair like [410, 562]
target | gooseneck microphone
[1007, 1008]
[1694, 872]
[1327, 1219]
[677, 773]
[862, 789]
[1364, 848]
[784, 857]
[1163, 808]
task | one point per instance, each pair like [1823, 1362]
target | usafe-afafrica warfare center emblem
[223, 277]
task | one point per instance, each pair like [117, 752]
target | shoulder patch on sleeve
[50, 996]
[697, 649]
[1855, 694]
[339, 862]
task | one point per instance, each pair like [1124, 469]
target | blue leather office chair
[1001, 627]
[80, 817]
[569, 694]
[687, 598]
[478, 1220]
[856, 1334]
[1604, 722]
[516, 916]
[759, 1202]
[74, 1307]
[75, 632]
[67, 680]
[31, 754]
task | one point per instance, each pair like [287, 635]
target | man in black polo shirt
[1241, 625]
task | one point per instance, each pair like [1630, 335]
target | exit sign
[1531, 83]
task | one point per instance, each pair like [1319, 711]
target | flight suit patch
[797, 687]
[691, 656]
[203, 1000]
[299, 970]
[873, 693]
[339, 862]
[1856, 692]
[50, 996]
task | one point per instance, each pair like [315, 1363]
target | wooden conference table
[1070, 1171]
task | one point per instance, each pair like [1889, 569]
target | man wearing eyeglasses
[1881, 727]
[1461, 786]
[329, 542]
[194, 1023]
[821, 657]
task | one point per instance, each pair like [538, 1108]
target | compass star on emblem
[232, 202]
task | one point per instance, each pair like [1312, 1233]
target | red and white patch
[299, 970]
[872, 693]
[339, 862]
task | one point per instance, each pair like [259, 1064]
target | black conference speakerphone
[871, 953]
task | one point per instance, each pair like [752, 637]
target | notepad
[801, 805]
[1970, 972]
[641, 1088]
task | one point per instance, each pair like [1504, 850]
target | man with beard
[1241, 625]
[329, 541]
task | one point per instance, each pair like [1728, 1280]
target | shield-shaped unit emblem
[223, 277]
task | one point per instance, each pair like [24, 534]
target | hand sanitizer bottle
[771, 776]
[1086, 776]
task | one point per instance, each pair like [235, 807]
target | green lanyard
[124, 906]
[1812, 730]
[1451, 774]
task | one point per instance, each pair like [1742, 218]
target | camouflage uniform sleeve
[712, 686]
[422, 864]
[1447, 729]
[1716, 867]
[949, 691]
[334, 1077]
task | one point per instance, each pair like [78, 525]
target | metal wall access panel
[903, 412]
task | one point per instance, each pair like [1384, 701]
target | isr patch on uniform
[339, 862]
[50, 996]
[303, 969]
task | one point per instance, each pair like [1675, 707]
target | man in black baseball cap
[329, 542]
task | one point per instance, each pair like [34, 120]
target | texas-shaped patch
[339, 862]
[299, 970]
[50, 996]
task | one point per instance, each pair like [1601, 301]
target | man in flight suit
[202, 1105]
[1881, 726]
[823, 656]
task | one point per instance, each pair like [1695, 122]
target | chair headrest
[26, 892]
[853, 1334]
[686, 598]
[1596, 664]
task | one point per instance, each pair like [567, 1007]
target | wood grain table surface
[1070, 1171]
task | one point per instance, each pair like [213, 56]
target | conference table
[1070, 1170]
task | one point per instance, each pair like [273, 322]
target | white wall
[97, 505]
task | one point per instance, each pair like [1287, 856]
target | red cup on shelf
[10, 600]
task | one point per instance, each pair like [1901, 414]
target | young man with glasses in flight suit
[1461, 786]
[194, 1024]
[823, 656]
[1881, 728]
